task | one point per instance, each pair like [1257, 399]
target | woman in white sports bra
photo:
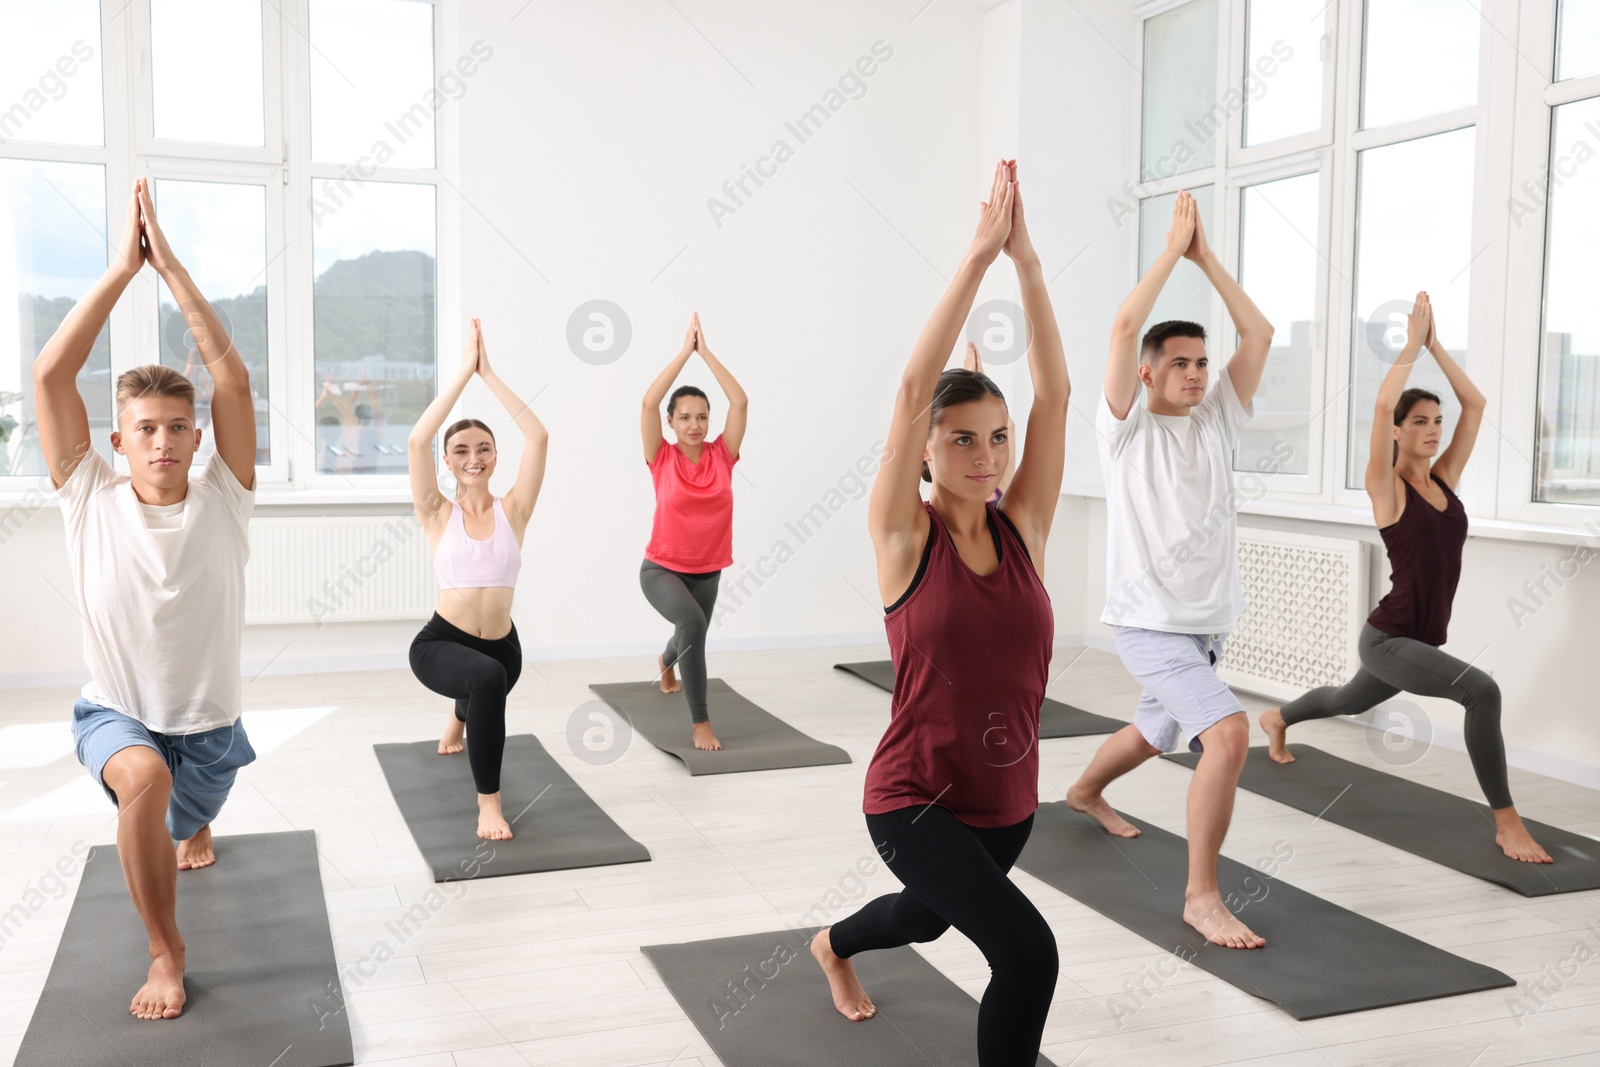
[469, 650]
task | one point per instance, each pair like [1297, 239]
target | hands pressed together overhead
[142, 239]
[1001, 225]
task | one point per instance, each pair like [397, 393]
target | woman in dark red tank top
[1424, 526]
[952, 788]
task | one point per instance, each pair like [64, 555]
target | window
[1334, 226]
[1282, 77]
[206, 71]
[1578, 39]
[1182, 116]
[293, 155]
[1414, 206]
[1420, 57]
[1278, 268]
[374, 309]
[52, 209]
[1569, 396]
[51, 253]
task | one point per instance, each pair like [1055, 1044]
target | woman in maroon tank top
[952, 788]
[1424, 526]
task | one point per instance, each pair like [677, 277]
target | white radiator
[349, 568]
[1305, 598]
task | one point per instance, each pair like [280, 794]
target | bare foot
[705, 739]
[1514, 840]
[162, 995]
[1277, 736]
[491, 821]
[195, 852]
[848, 996]
[1097, 809]
[451, 743]
[1207, 914]
[669, 677]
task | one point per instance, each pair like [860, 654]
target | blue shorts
[203, 765]
[1182, 692]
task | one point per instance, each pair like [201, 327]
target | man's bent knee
[1228, 739]
[134, 771]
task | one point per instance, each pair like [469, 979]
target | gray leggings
[1390, 665]
[686, 601]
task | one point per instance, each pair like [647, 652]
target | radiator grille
[338, 569]
[1304, 602]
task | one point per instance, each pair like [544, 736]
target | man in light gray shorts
[1172, 576]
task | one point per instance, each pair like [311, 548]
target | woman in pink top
[469, 650]
[691, 539]
[952, 788]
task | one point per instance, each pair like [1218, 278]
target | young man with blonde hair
[158, 560]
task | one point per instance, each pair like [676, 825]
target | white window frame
[1506, 294]
[283, 166]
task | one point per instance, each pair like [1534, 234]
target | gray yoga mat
[1055, 718]
[555, 825]
[760, 1000]
[1447, 828]
[752, 739]
[1319, 959]
[262, 983]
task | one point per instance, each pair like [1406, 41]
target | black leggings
[685, 600]
[1391, 665]
[478, 674]
[955, 875]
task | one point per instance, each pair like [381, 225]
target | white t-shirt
[1172, 558]
[162, 598]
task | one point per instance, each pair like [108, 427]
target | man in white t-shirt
[158, 560]
[1172, 574]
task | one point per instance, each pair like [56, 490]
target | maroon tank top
[1425, 564]
[971, 658]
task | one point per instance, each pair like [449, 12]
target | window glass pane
[52, 249]
[1421, 58]
[219, 232]
[1278, 268]
[372, 93]
[1283, 75]
[50, 72]
[1413, 232]
[1182, 116]
[373, 306]
[1187, 294]
[1578, 51]
[1569, 401]
[205, 70]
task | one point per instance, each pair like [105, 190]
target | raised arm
[233, 409]
[1453, 460]
[1255, 332]
[738, 402]
[895, 507]
[1380, 478]
[656, 395]
[1122, 365]
[535, 437]
[425, 496]
[1036, 490]
[63, 420]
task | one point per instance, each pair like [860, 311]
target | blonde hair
[152, 380]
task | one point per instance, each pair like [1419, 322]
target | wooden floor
[546, 968]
